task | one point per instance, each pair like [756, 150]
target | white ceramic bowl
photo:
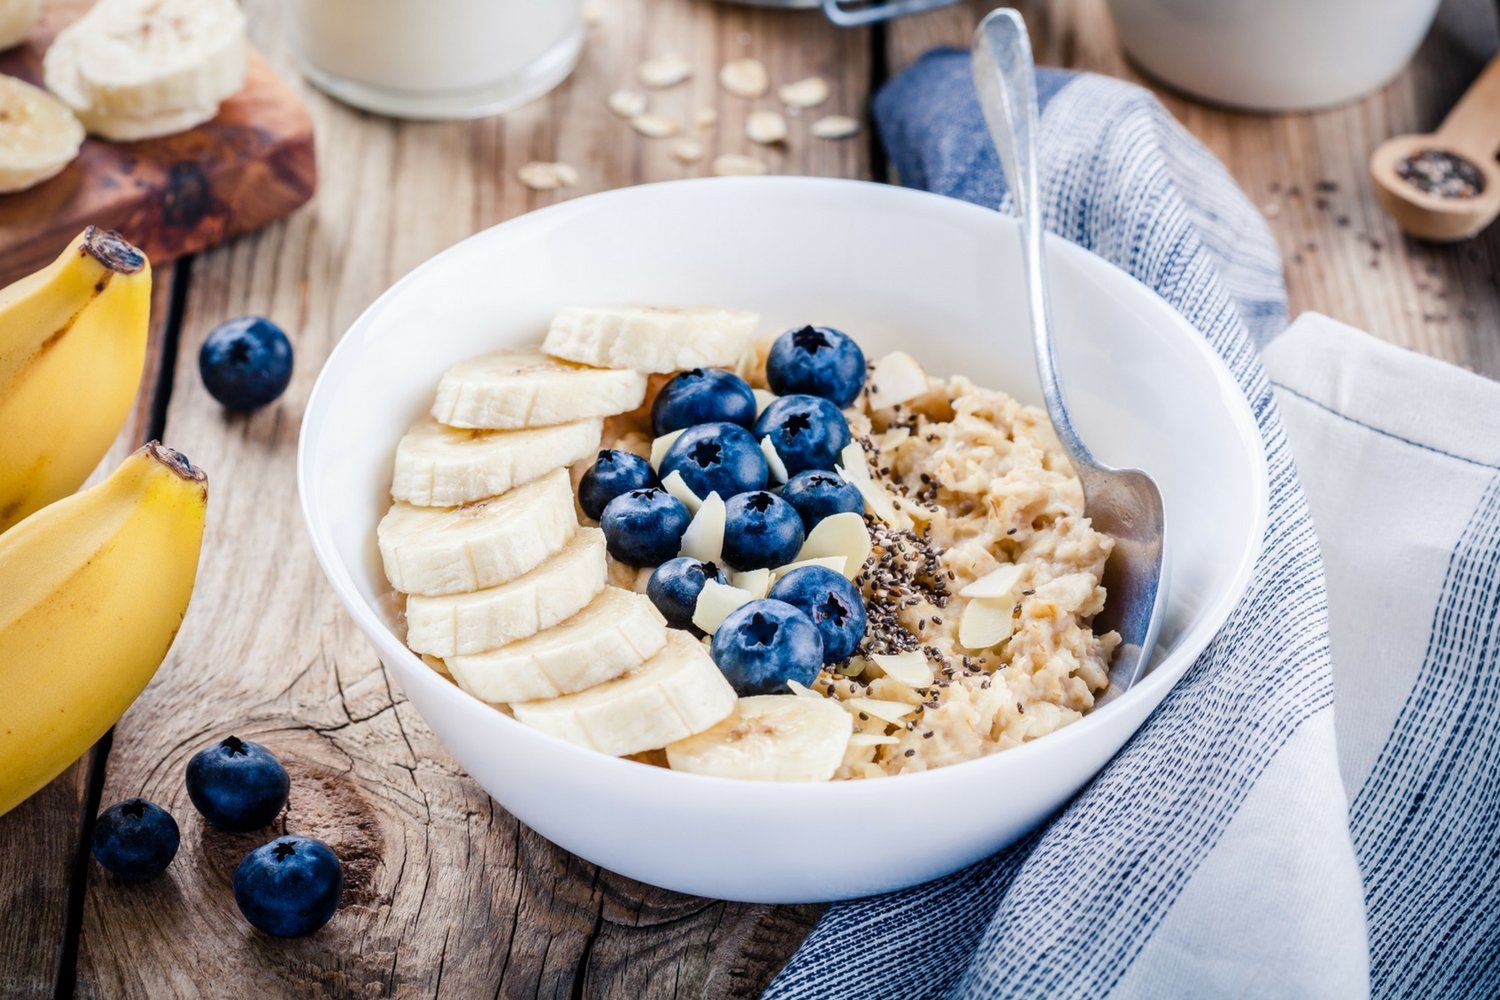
[895, 268]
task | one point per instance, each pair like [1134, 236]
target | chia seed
[1439, 172]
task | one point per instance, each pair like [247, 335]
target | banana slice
[676, 693]
[770, 737]
[617, 632]
[454, 550]
[651, 338]
[512, 389]
[471, 623]
[135, 61]
[439, 466]
[17, 18]
[38, 134]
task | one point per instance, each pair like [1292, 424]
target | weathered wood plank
[1344, 256]
[39, 839]
[447, 894]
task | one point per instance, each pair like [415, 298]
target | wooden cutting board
[170, 196]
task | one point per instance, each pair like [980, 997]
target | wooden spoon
[1472, 131]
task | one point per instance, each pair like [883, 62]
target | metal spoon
[1123, 503]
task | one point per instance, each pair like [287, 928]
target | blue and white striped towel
[1233, 848]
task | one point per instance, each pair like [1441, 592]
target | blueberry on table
[816, 494]
[761, 531]
[246, 363]
[764, 644]
[717, 458]
[290, 886]
[816, 361]
[832, 603]
[135, 839]
[675, 585]
[612, 474]
[808, 432]
[237, 785]
[702, 396]
[644, 527]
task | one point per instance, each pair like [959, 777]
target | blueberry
[675, 585]
[808, 432]
[290, 886]
[246, 363]
[644, 527]
[761, 531]
[818, 361]
[816, 494]
[135, 839]
[237, 785]
[717, 458]
[764, 644]
[702, 396]
[831, 602]
[613, 473]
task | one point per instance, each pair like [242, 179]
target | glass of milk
[437, 59]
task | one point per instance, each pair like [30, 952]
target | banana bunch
[72, 347]
[92, 591]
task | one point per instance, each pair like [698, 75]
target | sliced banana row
[39, 136]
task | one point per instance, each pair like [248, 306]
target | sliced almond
[808, 93]
[894, 379]
[763, 399]
[660, 446]
[802, 690]
[835, 563]
[1000, 583]
[765, 127]
[655, 126]
[755, 581]
[985, 623]
[872, 740]
[886, 711]
[773, 460]
[734, 165]
[540, 176]
[665, 70]
[687, 150]
[704, 538]
[911, 669]
[880, 502]
[627, 103]
[678, 487]
[834, 127]
[745, 78]
[716, 602]
[852, 464]
[705, 118]
[839, 535]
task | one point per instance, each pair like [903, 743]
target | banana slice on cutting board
[770, 737]
[507, 390]
[134, 69]
[39, 136]
[453, 550]
[677, 693]
[651, 338]
[617, 632]
[438, 466]
[17, 18]
[559, 588]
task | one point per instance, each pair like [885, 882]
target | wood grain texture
[170, 196]
[447, 894]
[1308, 173]
[39, 839]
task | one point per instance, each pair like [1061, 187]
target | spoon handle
[1005, 79]
[1473, 126]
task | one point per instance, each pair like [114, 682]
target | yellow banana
[92, 591]
[72, 347]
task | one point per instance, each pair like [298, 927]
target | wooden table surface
[447, 894]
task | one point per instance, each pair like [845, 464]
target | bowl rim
[1156, 684]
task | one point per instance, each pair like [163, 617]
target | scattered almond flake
[745, 78]
[807, 93]
[835, 127]
[654, 126]
[886, 711]
[665, 71]
[871, 740]
[734, 165]
[687, 150]
[765, 127]
[706, 118]
[798, 689]
[541, 176]
[627, 103]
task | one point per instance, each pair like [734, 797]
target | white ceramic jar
[437, 58]
[1273, 55]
